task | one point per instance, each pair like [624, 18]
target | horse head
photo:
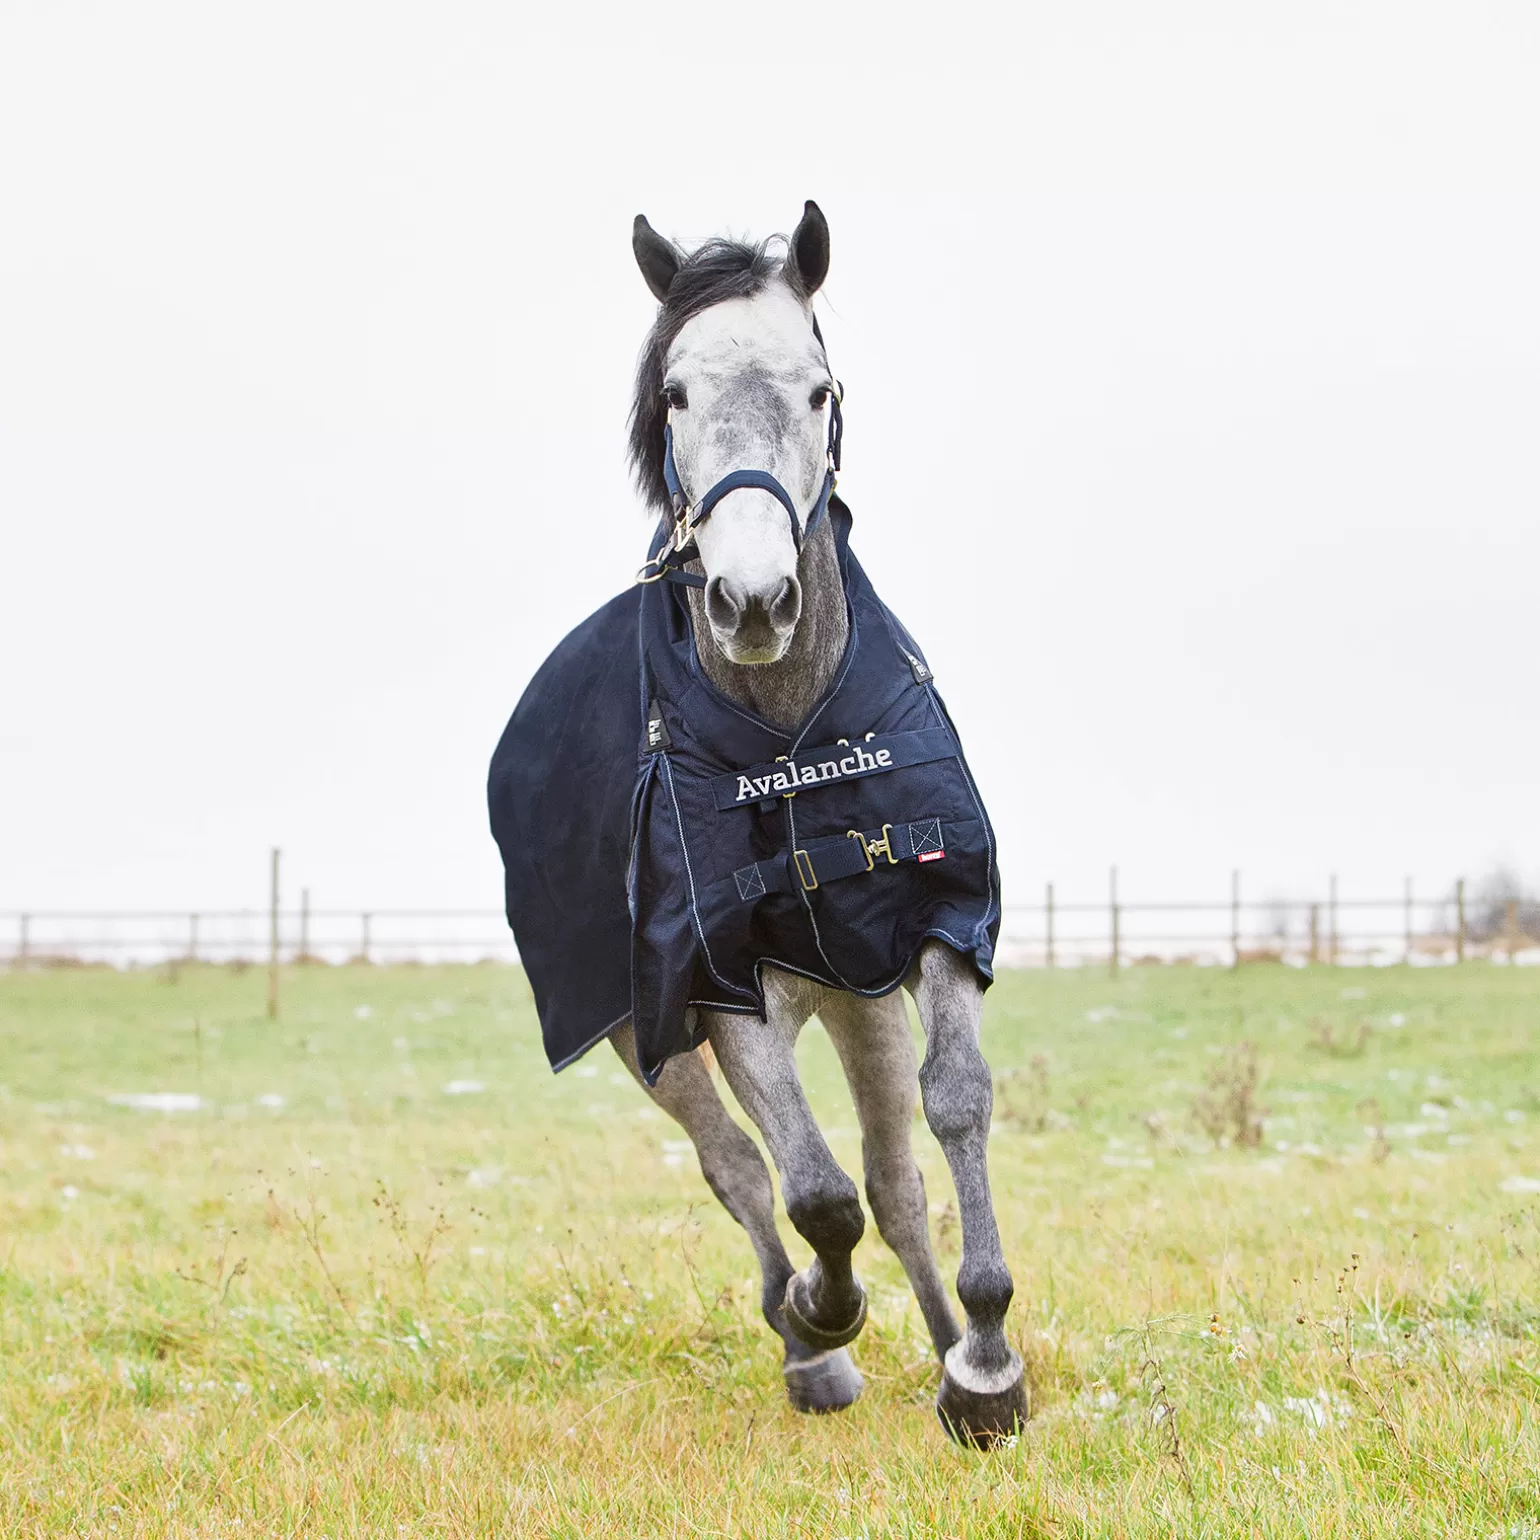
[733, 378]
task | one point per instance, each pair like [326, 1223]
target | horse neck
[783, 693]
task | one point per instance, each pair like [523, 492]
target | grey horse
[744, 383]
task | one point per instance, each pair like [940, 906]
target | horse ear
[808, 256]
[658, 259]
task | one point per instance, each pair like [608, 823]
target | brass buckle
[870, 848]
[805, 873]
[656, 567]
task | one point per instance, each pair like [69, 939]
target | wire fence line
[1109, 932]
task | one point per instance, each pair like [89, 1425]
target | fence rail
[1333, 929]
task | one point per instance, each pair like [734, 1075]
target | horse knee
[735, 1172]
[828, 1217]
[957, 1092]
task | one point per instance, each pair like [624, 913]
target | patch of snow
[157, 1101]
[363, 1012]
[464, 1088]
[77, 1151]
[587, 1072]
[270, 1099]
[1519, 1184]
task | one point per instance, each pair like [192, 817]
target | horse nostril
[786, 607]
[724, 604]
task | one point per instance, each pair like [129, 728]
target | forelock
[720, 270]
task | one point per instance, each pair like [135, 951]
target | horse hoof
[799, 1310]
[981, 1410]
[828, 1383]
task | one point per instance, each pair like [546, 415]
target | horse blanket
[662, 844]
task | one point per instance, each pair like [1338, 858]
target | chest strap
[833, 856]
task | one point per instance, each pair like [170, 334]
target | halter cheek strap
[679, 547]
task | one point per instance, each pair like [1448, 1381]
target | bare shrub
[1227, 1109]
[1500, 908]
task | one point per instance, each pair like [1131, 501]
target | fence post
[304, 925]
[1408, 919]
[1049, 912]
[192, 938]
[1331, 921]
[1235, 920]
[1511, 926]
[1116, 923]
[1459, 920]
[272, 945]
[363, 951]
[23, 944]
[1315, 933]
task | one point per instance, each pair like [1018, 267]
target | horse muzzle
[753, 625]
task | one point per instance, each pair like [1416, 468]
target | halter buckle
[872, 848]
[655, 568]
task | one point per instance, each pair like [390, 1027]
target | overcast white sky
[1192, 357]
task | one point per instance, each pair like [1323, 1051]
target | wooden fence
[1111, 932]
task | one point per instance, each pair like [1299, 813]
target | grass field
[390, 1277]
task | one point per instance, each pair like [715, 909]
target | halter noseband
[679, 544]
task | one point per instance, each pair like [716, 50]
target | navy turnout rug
[661, 844]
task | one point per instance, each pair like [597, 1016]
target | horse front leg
[982, 1397]
[825, 1305]
[735, 1171]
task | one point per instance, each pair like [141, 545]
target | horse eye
[675, 396]
[819, 399]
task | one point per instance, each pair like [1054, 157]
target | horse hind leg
[816, 1381]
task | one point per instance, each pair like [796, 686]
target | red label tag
[931, 855]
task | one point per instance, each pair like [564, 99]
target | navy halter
[679, 545]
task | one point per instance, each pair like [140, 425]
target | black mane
[721, 269]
